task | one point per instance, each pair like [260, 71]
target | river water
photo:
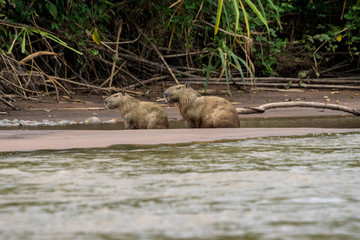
[272, 188]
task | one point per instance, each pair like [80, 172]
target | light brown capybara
[202, 111]
[138, 114]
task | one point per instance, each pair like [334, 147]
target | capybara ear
[187, 85]
[123, 92]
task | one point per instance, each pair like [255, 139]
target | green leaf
[54, 38]
[237, 14]
[262, 9]
[302, 84]
[287, 86]
[52, 9]
[96, 36]
[277, 16]
[303, 73]
[23, 43]
[258, 13]
[13, 43]
[247, 67]
[223, 63]
[218, 16]
[238, 66]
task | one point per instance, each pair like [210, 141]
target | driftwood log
[264, 107]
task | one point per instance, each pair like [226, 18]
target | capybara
[202, 111]
[138, 114]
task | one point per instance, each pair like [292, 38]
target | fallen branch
[264, 107]
[160, 55]
[8, 104]
[185, 54]
[36, 54]
[116, 54]
[17, 86]
[143, 61]
[336, 83]
[147, 81]
[338, 80]
[89, 86]
[119, 69]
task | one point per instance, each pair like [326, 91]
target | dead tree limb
[8, 104]
[147, 81]
[134, 58]
[116, 54]
[264, 107]
[159, 53]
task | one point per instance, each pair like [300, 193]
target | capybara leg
[129, 125]
[190, 125]
[155, 124]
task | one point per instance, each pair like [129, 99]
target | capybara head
[116, 100]
[175, 93]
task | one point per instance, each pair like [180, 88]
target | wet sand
[30, 140]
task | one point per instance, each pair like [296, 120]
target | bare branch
[160, 55]
[8, 104]
[264, 107]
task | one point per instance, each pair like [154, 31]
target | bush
[77, 40]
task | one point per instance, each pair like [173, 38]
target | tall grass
[227, 52]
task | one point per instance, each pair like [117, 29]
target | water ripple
[276, 188]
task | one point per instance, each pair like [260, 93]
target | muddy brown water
[266, 188]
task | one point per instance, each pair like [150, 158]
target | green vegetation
[63, 45]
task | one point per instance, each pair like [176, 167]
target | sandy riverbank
[81, 107]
